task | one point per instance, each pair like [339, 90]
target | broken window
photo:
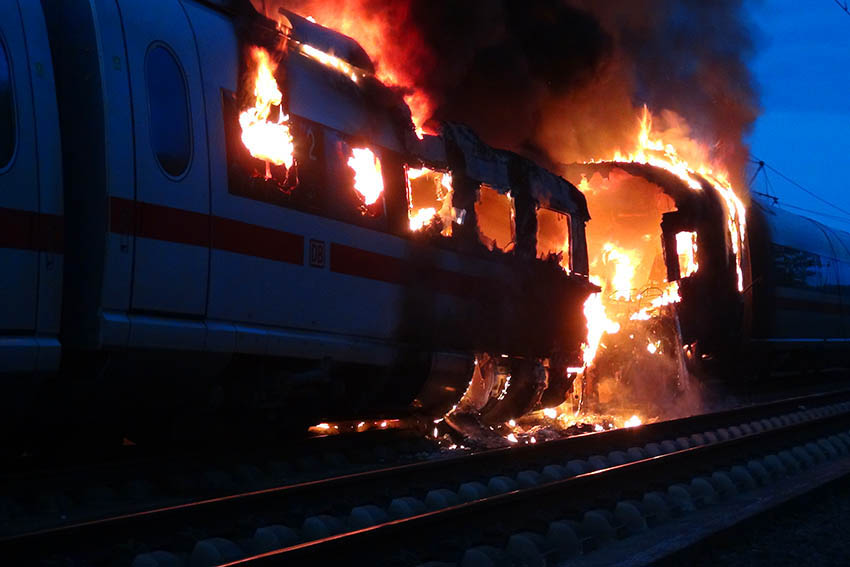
[495, 213]
[429, 200]
[553, 236]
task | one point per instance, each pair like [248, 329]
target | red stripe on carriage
[170, 224]
[28, 230]
[187, 227]
[367, 264]
[253, 240]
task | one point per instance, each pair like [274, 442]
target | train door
[171, 263]
[30, 192]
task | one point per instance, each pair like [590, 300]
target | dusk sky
[802, 66]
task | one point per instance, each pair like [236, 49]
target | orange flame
[368, 181]
[656, 153]
[268, 141]
[598, 324]
[423, 214]
[624, 262]
[329, 60]
[377, 33]
[686, 249]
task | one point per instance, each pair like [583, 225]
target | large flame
[657, 153]
[266, 140]
[376, 32]
[598, 324]
[368, 180]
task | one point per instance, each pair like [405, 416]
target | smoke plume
[563, 80]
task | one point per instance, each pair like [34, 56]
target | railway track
[48, 491]
[590, 489]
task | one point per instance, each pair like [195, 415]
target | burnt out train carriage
[150, 264]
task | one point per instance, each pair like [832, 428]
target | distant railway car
[800, 314]
[158, 268]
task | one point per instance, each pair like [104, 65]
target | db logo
[317, 253]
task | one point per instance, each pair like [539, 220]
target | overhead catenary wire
[800, 187]
[818, 213]
[844, 5]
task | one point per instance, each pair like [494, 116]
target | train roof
[803, 233]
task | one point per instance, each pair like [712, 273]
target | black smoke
[564, 80]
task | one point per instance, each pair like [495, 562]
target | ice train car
[156, 273]
[800, 304]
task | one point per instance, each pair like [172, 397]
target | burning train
[209, 211]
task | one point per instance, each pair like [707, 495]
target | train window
[168, 105]
[495, 213]
[553, 236]
[429, 200]
[356, 172]
[8, 132]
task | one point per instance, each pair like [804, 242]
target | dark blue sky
[802, 67]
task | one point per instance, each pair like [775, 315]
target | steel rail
[285, 504]
[491, 520]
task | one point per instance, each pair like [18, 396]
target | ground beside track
[813, 530]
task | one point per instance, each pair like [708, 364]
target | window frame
[190, 126]
[13, 106]
[570, 238]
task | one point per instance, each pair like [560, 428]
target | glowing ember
[633, 421]
[652, 348]
[368, 181]
[265, 140]
[511, 437]
[551, 413]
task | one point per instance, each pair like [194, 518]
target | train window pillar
[168, 104]
[8, 133]
[553, 236]
[495, 214]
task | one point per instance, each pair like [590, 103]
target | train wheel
[519, 384]
[559, 384]
[449, 377]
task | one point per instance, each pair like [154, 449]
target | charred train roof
[507, 171]
[300, 29]
[670, 183]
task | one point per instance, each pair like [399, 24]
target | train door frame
[171, 262]
[30, 220]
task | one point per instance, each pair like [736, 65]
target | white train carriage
[195, 283]
[31, 239]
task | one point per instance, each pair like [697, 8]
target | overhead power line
[800, 187]
[817, 213]
[843, 4]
